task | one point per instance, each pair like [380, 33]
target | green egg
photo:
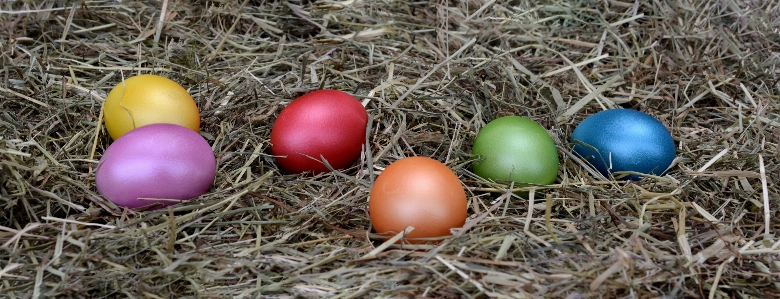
[514, 148]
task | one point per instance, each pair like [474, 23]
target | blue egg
[624, 140]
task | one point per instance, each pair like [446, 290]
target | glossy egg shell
[327, 123]
[155, 161]
[628, 140]
[148, 99]
[515, 148]
[421, 192]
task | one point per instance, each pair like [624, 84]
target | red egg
[421, 192]
[163, 161]
[327, 124]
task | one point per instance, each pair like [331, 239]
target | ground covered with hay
[431, 74]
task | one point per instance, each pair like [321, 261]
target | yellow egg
[148, 99]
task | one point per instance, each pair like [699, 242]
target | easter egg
[419, 192]
[515, 148]
[162, 161]
[624, 140]
[148, 99]
[323, 124]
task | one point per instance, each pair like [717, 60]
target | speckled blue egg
[624, 140]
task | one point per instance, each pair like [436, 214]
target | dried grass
[431, 74]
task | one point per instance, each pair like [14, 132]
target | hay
[431, 75]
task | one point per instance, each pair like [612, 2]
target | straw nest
[431, 74]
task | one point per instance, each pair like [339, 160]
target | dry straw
[431, 74]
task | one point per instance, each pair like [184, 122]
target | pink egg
[164, 161]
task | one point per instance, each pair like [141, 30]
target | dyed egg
[514, 148]
[421, 192]
[624, 140]
[327, 124]
[148, 99]
[164, 161]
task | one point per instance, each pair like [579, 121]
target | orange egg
[421, 192]
[148, 99]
